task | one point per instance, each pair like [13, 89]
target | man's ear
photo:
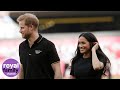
[31, 26]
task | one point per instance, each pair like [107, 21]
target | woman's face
[84, 45]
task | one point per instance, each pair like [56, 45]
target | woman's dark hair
[91, 39]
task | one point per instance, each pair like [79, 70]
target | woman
[89, 62]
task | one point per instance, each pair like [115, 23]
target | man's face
[24, 30]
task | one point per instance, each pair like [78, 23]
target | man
[38, 56]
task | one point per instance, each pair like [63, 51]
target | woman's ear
[92, 44]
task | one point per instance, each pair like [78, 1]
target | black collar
[39, 39]
[36, 41]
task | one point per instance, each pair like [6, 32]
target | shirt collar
[36, 41]
[39, 39]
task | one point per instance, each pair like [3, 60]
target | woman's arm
[97, 64]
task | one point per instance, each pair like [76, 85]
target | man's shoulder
[47, 41]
